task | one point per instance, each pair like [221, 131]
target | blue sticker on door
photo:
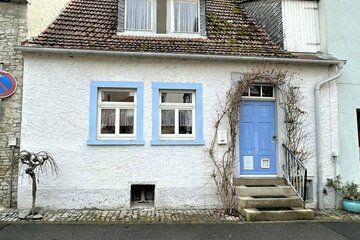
[257, 138]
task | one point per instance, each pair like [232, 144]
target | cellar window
[142, 195]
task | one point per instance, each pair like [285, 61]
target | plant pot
[351, 205]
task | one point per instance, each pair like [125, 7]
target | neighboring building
[41, 13]
[124, 95]
[13, 31]
[341, 33]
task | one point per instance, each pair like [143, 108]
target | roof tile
[88, 24]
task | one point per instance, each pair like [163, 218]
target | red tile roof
[90, 24]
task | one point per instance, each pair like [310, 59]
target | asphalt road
[253, 231]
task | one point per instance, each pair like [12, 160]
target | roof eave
[181, 56]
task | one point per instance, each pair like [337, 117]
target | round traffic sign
[7, 84]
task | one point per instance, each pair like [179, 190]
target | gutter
[318, 130]
[180, 56]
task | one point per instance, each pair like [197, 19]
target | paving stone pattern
[155, 216]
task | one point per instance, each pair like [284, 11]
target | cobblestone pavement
[155, 216]
[126, 216]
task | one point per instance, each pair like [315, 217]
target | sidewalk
[155, 216]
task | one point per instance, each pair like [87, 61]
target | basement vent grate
[142, 195]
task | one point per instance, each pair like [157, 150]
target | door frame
[278, 159]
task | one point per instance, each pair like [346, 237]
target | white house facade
[129, 120]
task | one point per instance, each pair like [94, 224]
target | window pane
[186, 16]
[113, 96]
[138, 14]
[107, 121]
[185, 122]
[246, 93]
[267, 91]
[167, 121]
[169, 97]
[126, 121]
[255, 91]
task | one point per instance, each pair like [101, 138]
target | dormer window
[139, 15]
[186, 16]
[173, 17]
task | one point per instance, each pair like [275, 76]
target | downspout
[320, 203]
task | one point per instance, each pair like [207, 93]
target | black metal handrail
[295, 173]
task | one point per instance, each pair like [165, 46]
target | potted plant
[349, 191]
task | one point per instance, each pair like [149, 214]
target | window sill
[98, 142]
[168, 142]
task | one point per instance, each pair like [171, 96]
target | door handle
[274, 138]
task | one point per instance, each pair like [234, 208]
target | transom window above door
[259, 91]
[164, 16]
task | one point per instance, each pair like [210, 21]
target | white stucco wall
[342, 38]
[55, 118]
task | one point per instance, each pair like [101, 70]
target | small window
[139, 15]
[259, 91]
[142, 195]
[186, 16]
[177, 117]
[177, 114]
[117, 110]
[116, 113]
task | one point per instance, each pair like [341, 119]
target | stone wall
[13, 30]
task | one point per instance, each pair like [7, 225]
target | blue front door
[257, 138]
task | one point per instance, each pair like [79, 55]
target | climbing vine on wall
[229, 114]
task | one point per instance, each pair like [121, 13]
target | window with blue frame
[177, 114]
[116, 113]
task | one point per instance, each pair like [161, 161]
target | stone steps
[243, 181]
[260, 191]
[269, 202]
[269, 199]
[253, 214]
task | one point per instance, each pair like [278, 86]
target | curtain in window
[186, 16]
[138, 14]
[167, 121]
[185, 121]
[107, 120]
[126, 121]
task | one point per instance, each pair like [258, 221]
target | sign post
[8, 84]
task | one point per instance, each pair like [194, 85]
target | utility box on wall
[222, 137]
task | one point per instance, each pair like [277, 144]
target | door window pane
[167, 121]
[255, 91]
[114, 96]
[267, 91]
[185, 122]
[126, 121]
[169, 97]
[107, 121]
[138, 14]
[186, 16]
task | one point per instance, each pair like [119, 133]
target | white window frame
[176, 107]
[117, 106]
[153, 20]
[172, 16]
[261, 95]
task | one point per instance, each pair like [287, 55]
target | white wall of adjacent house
[55, 118]
[301, 25]
[41, 13]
